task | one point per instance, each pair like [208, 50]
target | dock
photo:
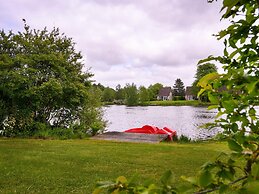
[131, 137]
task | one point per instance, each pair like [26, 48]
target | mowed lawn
[74, 166]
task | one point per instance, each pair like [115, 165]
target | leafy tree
[202, 70]
[143, 94]
[120, 94]
[154, 90]
[131, 94]
[108, 95]
[99, 86]
[178, 88]
[41, 81]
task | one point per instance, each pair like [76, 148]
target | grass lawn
[74, 166]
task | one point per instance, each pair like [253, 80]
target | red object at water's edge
[147, 129]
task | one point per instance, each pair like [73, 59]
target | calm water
[184, 119]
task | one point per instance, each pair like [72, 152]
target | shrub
[97, 127]
[176, 98]
[47, 86]
[181, 139]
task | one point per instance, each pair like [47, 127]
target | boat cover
[147, 129]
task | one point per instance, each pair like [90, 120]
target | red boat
[147, 129]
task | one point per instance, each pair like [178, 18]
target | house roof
[165, 91]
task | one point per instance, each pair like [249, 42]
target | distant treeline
[132, 95]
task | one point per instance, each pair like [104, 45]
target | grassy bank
[74, 166]
[176, 103]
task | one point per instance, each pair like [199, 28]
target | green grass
[74, 166]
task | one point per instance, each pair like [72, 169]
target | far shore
[167, 103]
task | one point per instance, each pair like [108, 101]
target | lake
[184, 119]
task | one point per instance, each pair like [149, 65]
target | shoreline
[195, 103]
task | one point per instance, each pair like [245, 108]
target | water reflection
[184, 119]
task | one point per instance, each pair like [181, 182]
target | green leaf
[234, 53]
[242, 40]
[222, 33]
[225, 52]
[201, 92]
[230, 3]
[231, 162]
[167, 178]
[255, 171]
[253, 40]
[213, 99]
[97, 191]
[252, 187]
[220, 114]
[232, 43]
[227, 175]
[121, 179]
[250, 18]
[223, 188]
[233, 145]
[210, 58]
[205, 178]
[204, 81]
[229, 105]
[234, 127]
[252, 86]
[152, 188]
[252, 113]
[208, 166]
[117, 191]
[191, 180]
[133, 180]
[212, 107]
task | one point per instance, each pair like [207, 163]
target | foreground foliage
[236, 93]
[202, 70]
[42, 85]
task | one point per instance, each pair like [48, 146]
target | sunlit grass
[74, 166]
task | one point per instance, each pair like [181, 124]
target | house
[165, 93]
[189, 93]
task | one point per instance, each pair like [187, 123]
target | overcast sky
[126, 41]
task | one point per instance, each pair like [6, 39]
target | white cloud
[128, 41]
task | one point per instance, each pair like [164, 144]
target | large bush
[41, 81]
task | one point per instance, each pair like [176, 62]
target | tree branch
[217, 188]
